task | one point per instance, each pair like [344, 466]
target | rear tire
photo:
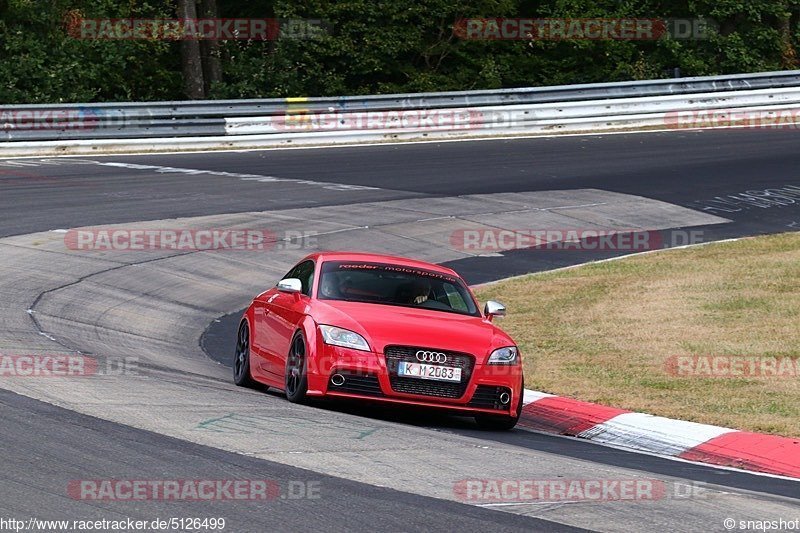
[500, 423]
[241, 358]
[296, 374]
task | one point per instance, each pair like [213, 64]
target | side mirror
[290, 285]
[494, 309]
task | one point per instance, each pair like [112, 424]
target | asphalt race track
[178, 416]
[89, 445]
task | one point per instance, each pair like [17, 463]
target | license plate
[434, 372]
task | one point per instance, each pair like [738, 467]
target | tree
[210, 50]
[191, 61]
[368, 46]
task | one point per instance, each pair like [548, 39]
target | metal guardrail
[280, 121]
[663, 108]
[207, 118]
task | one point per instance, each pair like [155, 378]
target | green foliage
[379, 46]
[41, 62]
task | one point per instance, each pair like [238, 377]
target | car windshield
[390, 284]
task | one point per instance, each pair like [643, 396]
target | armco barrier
[95, 128]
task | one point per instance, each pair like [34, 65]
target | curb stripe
[751, 451]
[530, 396]
[653, 433]
[689, 441]
[566, 416]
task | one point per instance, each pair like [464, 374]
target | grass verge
[611, 332]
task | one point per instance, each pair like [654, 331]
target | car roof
[380, 258]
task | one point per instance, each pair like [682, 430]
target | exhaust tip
[505, 398]
[337, 379]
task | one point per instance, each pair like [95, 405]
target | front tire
[296, 370]
[241, 359]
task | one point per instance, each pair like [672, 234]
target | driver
[422, 290]
[330, 287]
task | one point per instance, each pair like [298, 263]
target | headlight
[503, 356]
[343, 337]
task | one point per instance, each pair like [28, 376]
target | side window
[455, 299]
[305, 273]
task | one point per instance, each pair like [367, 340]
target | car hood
[384, 325]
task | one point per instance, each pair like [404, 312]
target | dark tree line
[369, 46]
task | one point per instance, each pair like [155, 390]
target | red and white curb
[661, 436]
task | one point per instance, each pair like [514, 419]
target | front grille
[488, 397]
[356, 383]
[442, 389]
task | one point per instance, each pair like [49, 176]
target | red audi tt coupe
[382, 329]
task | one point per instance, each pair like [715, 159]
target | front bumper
[494, 389]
